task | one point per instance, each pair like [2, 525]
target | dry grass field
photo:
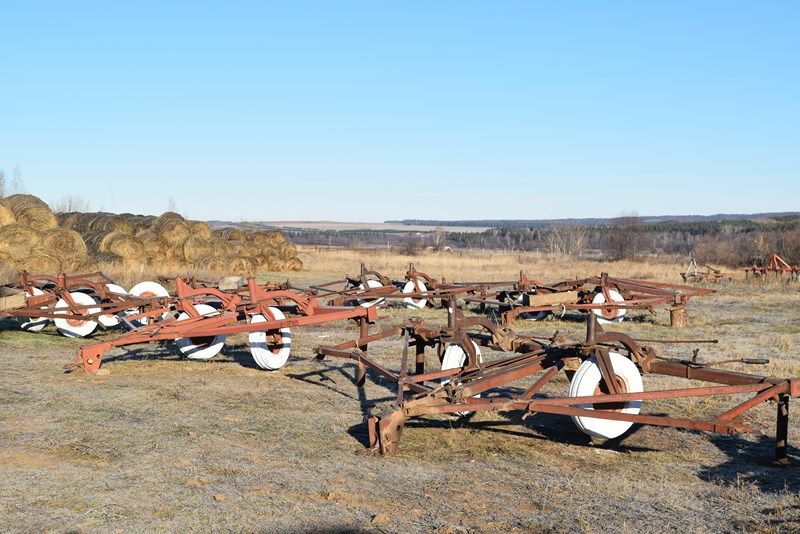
[161, 443]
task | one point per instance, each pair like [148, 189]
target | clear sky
[374, 110]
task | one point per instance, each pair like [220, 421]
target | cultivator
[198, 319]
[777, 266]
[77, 304]
[418, 290]
[701, 272]
[605, 370]
[606, 297]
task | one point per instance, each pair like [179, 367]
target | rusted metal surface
[455, 391]
[776, 266]
[416, 290]
[40, 294]
[702, 272]
[234, 311]
[606, 296]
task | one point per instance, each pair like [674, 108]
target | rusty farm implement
[77, 304]
[608, 298]
[198, 320]
[777, 266]
[417, 290]
[606, 392]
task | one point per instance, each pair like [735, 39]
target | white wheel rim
[72, 327]
[600, 299]
[410, 288]
[266, 354]
[34, 324]
[148, 289]
[369, 303]
[109, 320]
[194, 349]
[454, 357]
[585, 382]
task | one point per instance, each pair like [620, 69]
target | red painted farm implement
[608, 298]
[777, 266]
[605, 371]
[701, 272]
[198, 319]
[417, 290]
[77, 304]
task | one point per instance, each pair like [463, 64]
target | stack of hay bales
[170, 239]
[30, 238]
[33, 238]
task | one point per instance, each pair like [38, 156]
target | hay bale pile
[170, 239]
[31, 239]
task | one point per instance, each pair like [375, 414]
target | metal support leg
[782, 432]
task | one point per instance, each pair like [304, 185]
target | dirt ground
[161, 443]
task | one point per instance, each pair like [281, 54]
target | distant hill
[646, 219]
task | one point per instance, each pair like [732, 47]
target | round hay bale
[76, 263]
[267, 239]
[167, 217]
[241, 267]
[126, 246]
[152, 244]
[232, 234]
[6, 259]
[18, 240]
[67, 220]
[20, 202]
[246, 249]
[222, 248]
[37, 217]
[286, 251]
[173, 231]
[93, 240]
[262, 261]
[294, 264]
[6, 214]
[196, 248]
[200, 229]
[39, 263]
[212, 263]
[62, 242]
[107, 257]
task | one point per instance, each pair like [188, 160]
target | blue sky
[377, 110]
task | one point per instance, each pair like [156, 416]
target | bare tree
[17, 185]
[438, 239]
[565, 239]
[2, 183]
[412, 244]
[70, 203]
[171, 204]
[624, 236]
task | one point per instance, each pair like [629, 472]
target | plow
[606, 392]
[776, 266]
[606, 297]
[702, 272]
[199, 319]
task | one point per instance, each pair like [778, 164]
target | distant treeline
[541, 223]
[732, 242]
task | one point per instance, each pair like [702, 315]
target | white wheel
[148, 289]
[270, 349]
[34, 324]
[369, 303]
[454, 357]
[109, 320]
[73, 326]
[200, 348]
[409, 288]
[610, 316]
[586, 381]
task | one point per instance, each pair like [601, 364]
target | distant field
[387, 227]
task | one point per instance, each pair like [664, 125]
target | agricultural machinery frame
[458, 390]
